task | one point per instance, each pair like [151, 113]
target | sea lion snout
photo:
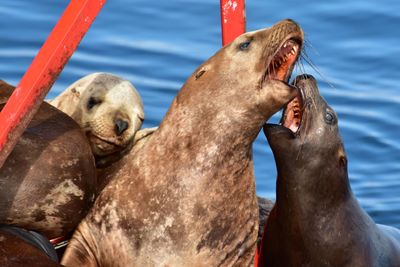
[303, 77]
[121, 126]
[308, 83]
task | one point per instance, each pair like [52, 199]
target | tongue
[290, 122]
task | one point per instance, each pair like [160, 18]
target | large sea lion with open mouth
[186, 197]
[316, 220]
[48, 182]
[110, 111]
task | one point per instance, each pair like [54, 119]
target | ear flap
[5, 91]
[68, 101]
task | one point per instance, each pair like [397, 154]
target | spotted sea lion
[108, 108]
[316, 220]
[48, 182]
[186, 196]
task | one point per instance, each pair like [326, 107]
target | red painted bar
[44, 70]
[233, 19]
[256, 257]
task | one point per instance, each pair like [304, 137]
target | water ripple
[353, 44]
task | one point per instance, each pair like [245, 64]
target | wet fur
[49, 180]
[186, 196]
[316, 220]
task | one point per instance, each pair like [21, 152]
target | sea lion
[316, 220]
[264, 209]
[186, 196]
[48, 182]
[110, 111]
[20, 247]
[104, 163]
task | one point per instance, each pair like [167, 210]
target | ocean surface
[354, 46]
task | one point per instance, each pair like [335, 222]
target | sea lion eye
[245, 45]
[343, 161]
[330, 118]
[93, 102]
[199, 74]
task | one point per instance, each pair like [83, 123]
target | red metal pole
[233, 24]
[233, 19]
[44, 70]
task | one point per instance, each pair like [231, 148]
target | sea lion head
[307, 139]
[108, 108]
[246, 81]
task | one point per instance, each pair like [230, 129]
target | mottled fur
[48, 182]
[186, 196]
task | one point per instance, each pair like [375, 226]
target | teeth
[295, 48]
[285, 45]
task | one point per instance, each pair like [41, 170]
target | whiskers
[302, 138]
[304, 59]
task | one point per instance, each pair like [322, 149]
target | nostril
[121, 126]
[305, 77]
[291, 21]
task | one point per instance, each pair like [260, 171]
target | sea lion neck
[192, 122]
[313, 186]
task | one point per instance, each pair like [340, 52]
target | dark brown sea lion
[186, 197]
[21, 248]
[316, 220]
[48, 182]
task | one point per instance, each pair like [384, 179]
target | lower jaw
[102, 148]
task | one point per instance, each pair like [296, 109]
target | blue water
[353, 44]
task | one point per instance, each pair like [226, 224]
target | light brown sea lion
[186, 196]
[110, 111]
[48, 182]
[316, 220]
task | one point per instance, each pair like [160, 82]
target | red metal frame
[233, 19]
[233, 24]
[55, 53]
[44, 70]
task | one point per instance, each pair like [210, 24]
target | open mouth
[293, 113]
[282, 63]
[280, 68]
